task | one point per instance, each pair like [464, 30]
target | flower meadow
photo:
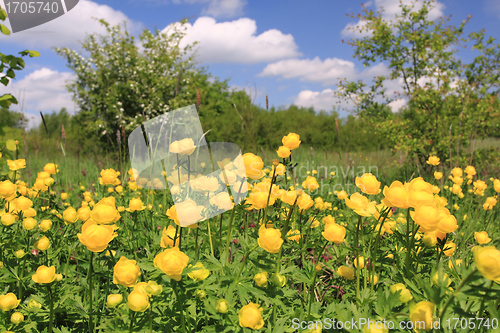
[112, 256]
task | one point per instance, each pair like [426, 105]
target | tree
[446, 99]
[123, 82]
[10, 64]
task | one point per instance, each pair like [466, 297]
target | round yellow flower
[45, 225]
[105, 212]
[109, 177]
[487, 260]
[291, 141]
[168, 235]
[44, 274]
[50, 168]
[113, 300]
[421, 314]
[334, 233]
[17, 318]
[482, 237]
[9, 219]
[222, 306]
[138, 301]
[397, 195]
[368, 184]
[405, 295]
[200, 274]
[97, 237]
[182, 147]
[126, 272]
[135, 204]
[433, 160]
[70, 215]
[42, 244]
[283, 152]
[250, 316]
[270, 239]
[8, 302]
[346, 272]
[253, 166]
[172, 262]
[261, 279]
[438, 175]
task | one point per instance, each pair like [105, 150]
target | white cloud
[237, 42]
[390, 10]
[397, 104]
[327, 71]
[71, 28]
[324, 100]
[42, 90]
[225, 8]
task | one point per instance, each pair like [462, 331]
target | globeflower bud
[113, 300]
[32, 304]
[153, 288]
[200, 294]
[222, 306]
[19, 254]
[261, 279]
[17, 318]
[278, 280]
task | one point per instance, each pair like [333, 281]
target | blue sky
[290, 50]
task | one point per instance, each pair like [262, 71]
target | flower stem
[210, 239]
[356, 251]
[91, 287]
[228, 240]
[51, 309]
[131, 326]
[315, 275]
[183, 324]
[460, 286]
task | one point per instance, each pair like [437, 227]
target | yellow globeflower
[261, 279]
[138, 301]
[291, 141]
[113, 300]
[200, 274]
[50, 168]
[135, 204]
[42, 244]
[253, 166]
[368, 184]
[283, 152]
[490, 203]
[126, 272]
[334, 233]
[482, 237]
[422, 314]
[45, 225]
[105, 211]
[438, 175]
[97, 237]
[270, 239]
[17, 164]
[109, 177]
[361, 260]
[361, 205]
[70, 215]
[168, 235]
[44, 274]
[311, 184]
[487, 260]
[182, 147]
[9, 219]
[250, 316]
[172, 262]
[405, 295]
[397, 195]
[8, 302]
[342, 195]
[346, 272]
[433, 160]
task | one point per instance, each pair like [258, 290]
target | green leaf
[11, 145]
[4, 29]
[33, 53]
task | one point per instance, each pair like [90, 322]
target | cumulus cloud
[390, 8]
[319, 100]
[327, 71]
[42, 90]
[237, 41]
[225, 8]
[68, 30]
[397, 104]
